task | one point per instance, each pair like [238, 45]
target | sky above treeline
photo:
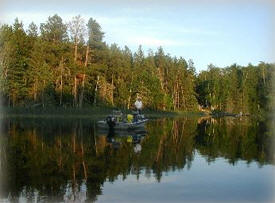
[218, 32]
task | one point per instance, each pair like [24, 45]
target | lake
[191, 159]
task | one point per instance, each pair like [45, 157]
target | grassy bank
[55, 112]
[88, 112]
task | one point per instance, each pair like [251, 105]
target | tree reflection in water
[69, 160]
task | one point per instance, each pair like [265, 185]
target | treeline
[69, 65]
[236, 89]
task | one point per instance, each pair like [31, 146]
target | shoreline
[101, 112]
[85, 113]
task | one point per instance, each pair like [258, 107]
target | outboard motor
[110, 136]
[111, 121]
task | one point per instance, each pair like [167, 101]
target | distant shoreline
[87, 112]
[101, 112]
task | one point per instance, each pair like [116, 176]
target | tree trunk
[61, 81]
[82, 92]
[178, 97]
[83, 80]
[75, 50]
[161, 79]
[174, 98]
[112, 90]
[43, 94]
[129, 99]
[96, 87]
[183, 99]
[87, 55]
[75, 92]
[35, 90]
[130, 95]
[61, 91]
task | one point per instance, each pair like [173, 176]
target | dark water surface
[172, 160]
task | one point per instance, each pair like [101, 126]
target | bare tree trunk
[130, 95]
[129, 99]
[35, 90]
[81, 97]
[96, 87]
[183, 99]
[178, 95]
[75, 50]
[82, 92]
[174, 98]
[175, 95]
[61, 81]
[242, 102]
[161, 78]
[61, 91]
[112, 91]
[87, 55]
[179, 106]
[43, 94]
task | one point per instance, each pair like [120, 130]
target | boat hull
[123, 125]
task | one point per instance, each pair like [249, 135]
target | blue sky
[218, 33]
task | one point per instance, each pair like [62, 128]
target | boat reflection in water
[116, 138]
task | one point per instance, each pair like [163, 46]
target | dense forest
[69, 65]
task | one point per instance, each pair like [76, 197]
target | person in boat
[138, 105]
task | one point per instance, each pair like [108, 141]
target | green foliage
[54, 30]
[95, 34]
[236, 89]
[47, 67]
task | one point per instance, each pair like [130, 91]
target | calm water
[172, 160]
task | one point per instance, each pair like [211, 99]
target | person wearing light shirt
[138, 105]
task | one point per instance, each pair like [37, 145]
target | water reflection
[70, 160]
[116, 137]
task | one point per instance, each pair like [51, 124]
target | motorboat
[118, 121]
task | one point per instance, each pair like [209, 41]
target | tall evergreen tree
[54, 30]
